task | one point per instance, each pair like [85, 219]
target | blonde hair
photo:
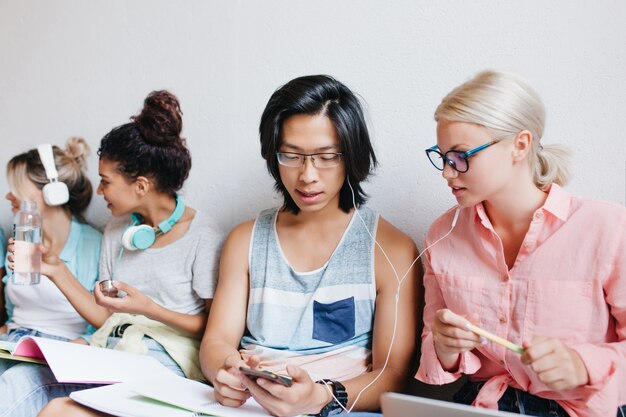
[505, 105]
[71, 164]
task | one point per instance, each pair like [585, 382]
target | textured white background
[81, 68]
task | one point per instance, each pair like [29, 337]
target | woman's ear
[522, 144]
[142, 185]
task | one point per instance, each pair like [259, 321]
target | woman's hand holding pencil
[557, 366]
[452, 337]
[454, 334]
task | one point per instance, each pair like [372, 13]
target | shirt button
[505, 278]
[538, 215]
[528, 245]
[501, 362]
[503, 319]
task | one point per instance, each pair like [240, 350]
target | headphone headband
[166, 225]
[47, 159]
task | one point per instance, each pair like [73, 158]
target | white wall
[81, 68]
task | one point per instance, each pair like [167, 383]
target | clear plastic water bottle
[27, 234]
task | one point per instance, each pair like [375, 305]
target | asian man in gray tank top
[303, 290]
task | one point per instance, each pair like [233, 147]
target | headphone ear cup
[56, 193]
[138, 237]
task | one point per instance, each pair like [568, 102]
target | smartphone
[255, 373]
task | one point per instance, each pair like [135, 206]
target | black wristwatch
[334, 406]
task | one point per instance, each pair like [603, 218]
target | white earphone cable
[397, 301]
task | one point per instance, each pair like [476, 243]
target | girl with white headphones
[42, 310]
[165, 282]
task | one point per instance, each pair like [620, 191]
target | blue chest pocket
[334, 322]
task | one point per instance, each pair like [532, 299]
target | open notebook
[170, 396]
[7, 351]
[76, 363]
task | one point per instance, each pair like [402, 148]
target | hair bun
[77, 149]
[160, 121]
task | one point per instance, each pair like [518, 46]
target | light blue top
[3, 248]
[316, 311]
[81, 254]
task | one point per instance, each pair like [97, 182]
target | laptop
[400, 405]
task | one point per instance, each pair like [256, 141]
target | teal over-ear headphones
[142, 236]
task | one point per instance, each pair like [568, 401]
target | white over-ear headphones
[55, 193]
[142, 236]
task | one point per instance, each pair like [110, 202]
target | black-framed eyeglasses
[457, 160]
[320, 160]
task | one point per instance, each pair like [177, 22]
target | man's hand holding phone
[228, 387]
[303, 396]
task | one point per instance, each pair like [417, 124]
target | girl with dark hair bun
[161, 255]
[151, 145]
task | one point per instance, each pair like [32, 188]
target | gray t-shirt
[178, 276]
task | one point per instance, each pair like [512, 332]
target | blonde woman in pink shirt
[525, 260]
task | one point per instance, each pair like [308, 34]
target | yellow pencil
[495, 339]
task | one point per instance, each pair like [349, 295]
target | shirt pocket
[560, 309]
[463, 294]
[334, 322]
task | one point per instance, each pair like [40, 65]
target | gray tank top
[315, 311]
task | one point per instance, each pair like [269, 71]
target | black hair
[151, 145]
[320, 95]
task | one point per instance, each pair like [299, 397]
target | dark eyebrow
[329, 148]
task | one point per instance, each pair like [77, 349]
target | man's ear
[142, 185]
[522, 144]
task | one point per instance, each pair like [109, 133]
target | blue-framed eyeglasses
[457, 160]
[319, 160]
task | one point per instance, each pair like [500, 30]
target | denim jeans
[518, 401]
[27, 387]
[15, 335]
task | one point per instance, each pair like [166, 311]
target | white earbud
[456, 217]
